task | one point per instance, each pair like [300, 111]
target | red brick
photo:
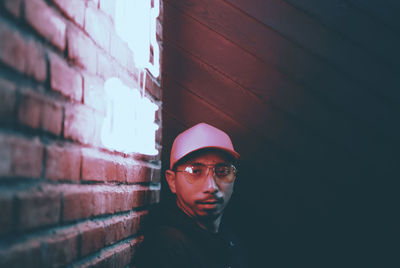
[79, 124]
[78, 202]
[139, 198]
[12, 6]
[61, 247]
[35, 61]
[128, 199]
[25, 56]
[92, 237]
[98, 26]
[106, 259]
[81, 49]
[63, 163]
[6, 212]
[114, 230]
[156, 175]
[5, 155]
[94, 95]
[153, 87]
[133, 224]
[25, 254]
[138, 173]
[123, 255]
[112, 199]
[119, 198]
[36, 111]
[64, 79]
[73, 9]
[20, 54]
[46, 22]
[29, 110]
[53, 249]
[51, 117]
[102, 201]
[12, 52]
[7, 101]
[97, 167]
[121, 173]
[27, 157]
[129, 223]
[148, 158]
[38, 208]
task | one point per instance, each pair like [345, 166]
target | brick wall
[64, 198]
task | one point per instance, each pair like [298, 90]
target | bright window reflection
[129, 124]
[135, 23]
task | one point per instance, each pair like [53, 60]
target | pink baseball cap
[198, 137]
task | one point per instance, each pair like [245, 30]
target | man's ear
[171, 179]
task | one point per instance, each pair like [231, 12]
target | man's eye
[197, 171]
[194, 170]
[222, 171]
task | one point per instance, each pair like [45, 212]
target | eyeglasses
[222, 172]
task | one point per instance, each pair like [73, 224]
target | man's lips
[209, 201]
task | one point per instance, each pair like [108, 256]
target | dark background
[309, 92]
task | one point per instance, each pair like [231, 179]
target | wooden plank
[387, 12]
[262, 79]
[251, 35]
[238, 103]
[291, 97]
[265, 81]
[189, 109]
[355, 25]
[222, 54]
[311, 35]
[359, 146]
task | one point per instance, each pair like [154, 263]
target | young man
[190, 234]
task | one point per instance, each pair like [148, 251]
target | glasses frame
[188, 174]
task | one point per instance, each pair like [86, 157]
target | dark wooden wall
[309, 92]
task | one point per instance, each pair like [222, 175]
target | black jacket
[172, 239]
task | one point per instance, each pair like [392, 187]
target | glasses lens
[195, 173]
[223, 172]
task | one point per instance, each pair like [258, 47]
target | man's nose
[211, 185]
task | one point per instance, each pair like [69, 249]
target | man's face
[206, 198]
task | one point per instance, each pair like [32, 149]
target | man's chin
[210, 214]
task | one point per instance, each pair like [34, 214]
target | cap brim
[232, 153]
